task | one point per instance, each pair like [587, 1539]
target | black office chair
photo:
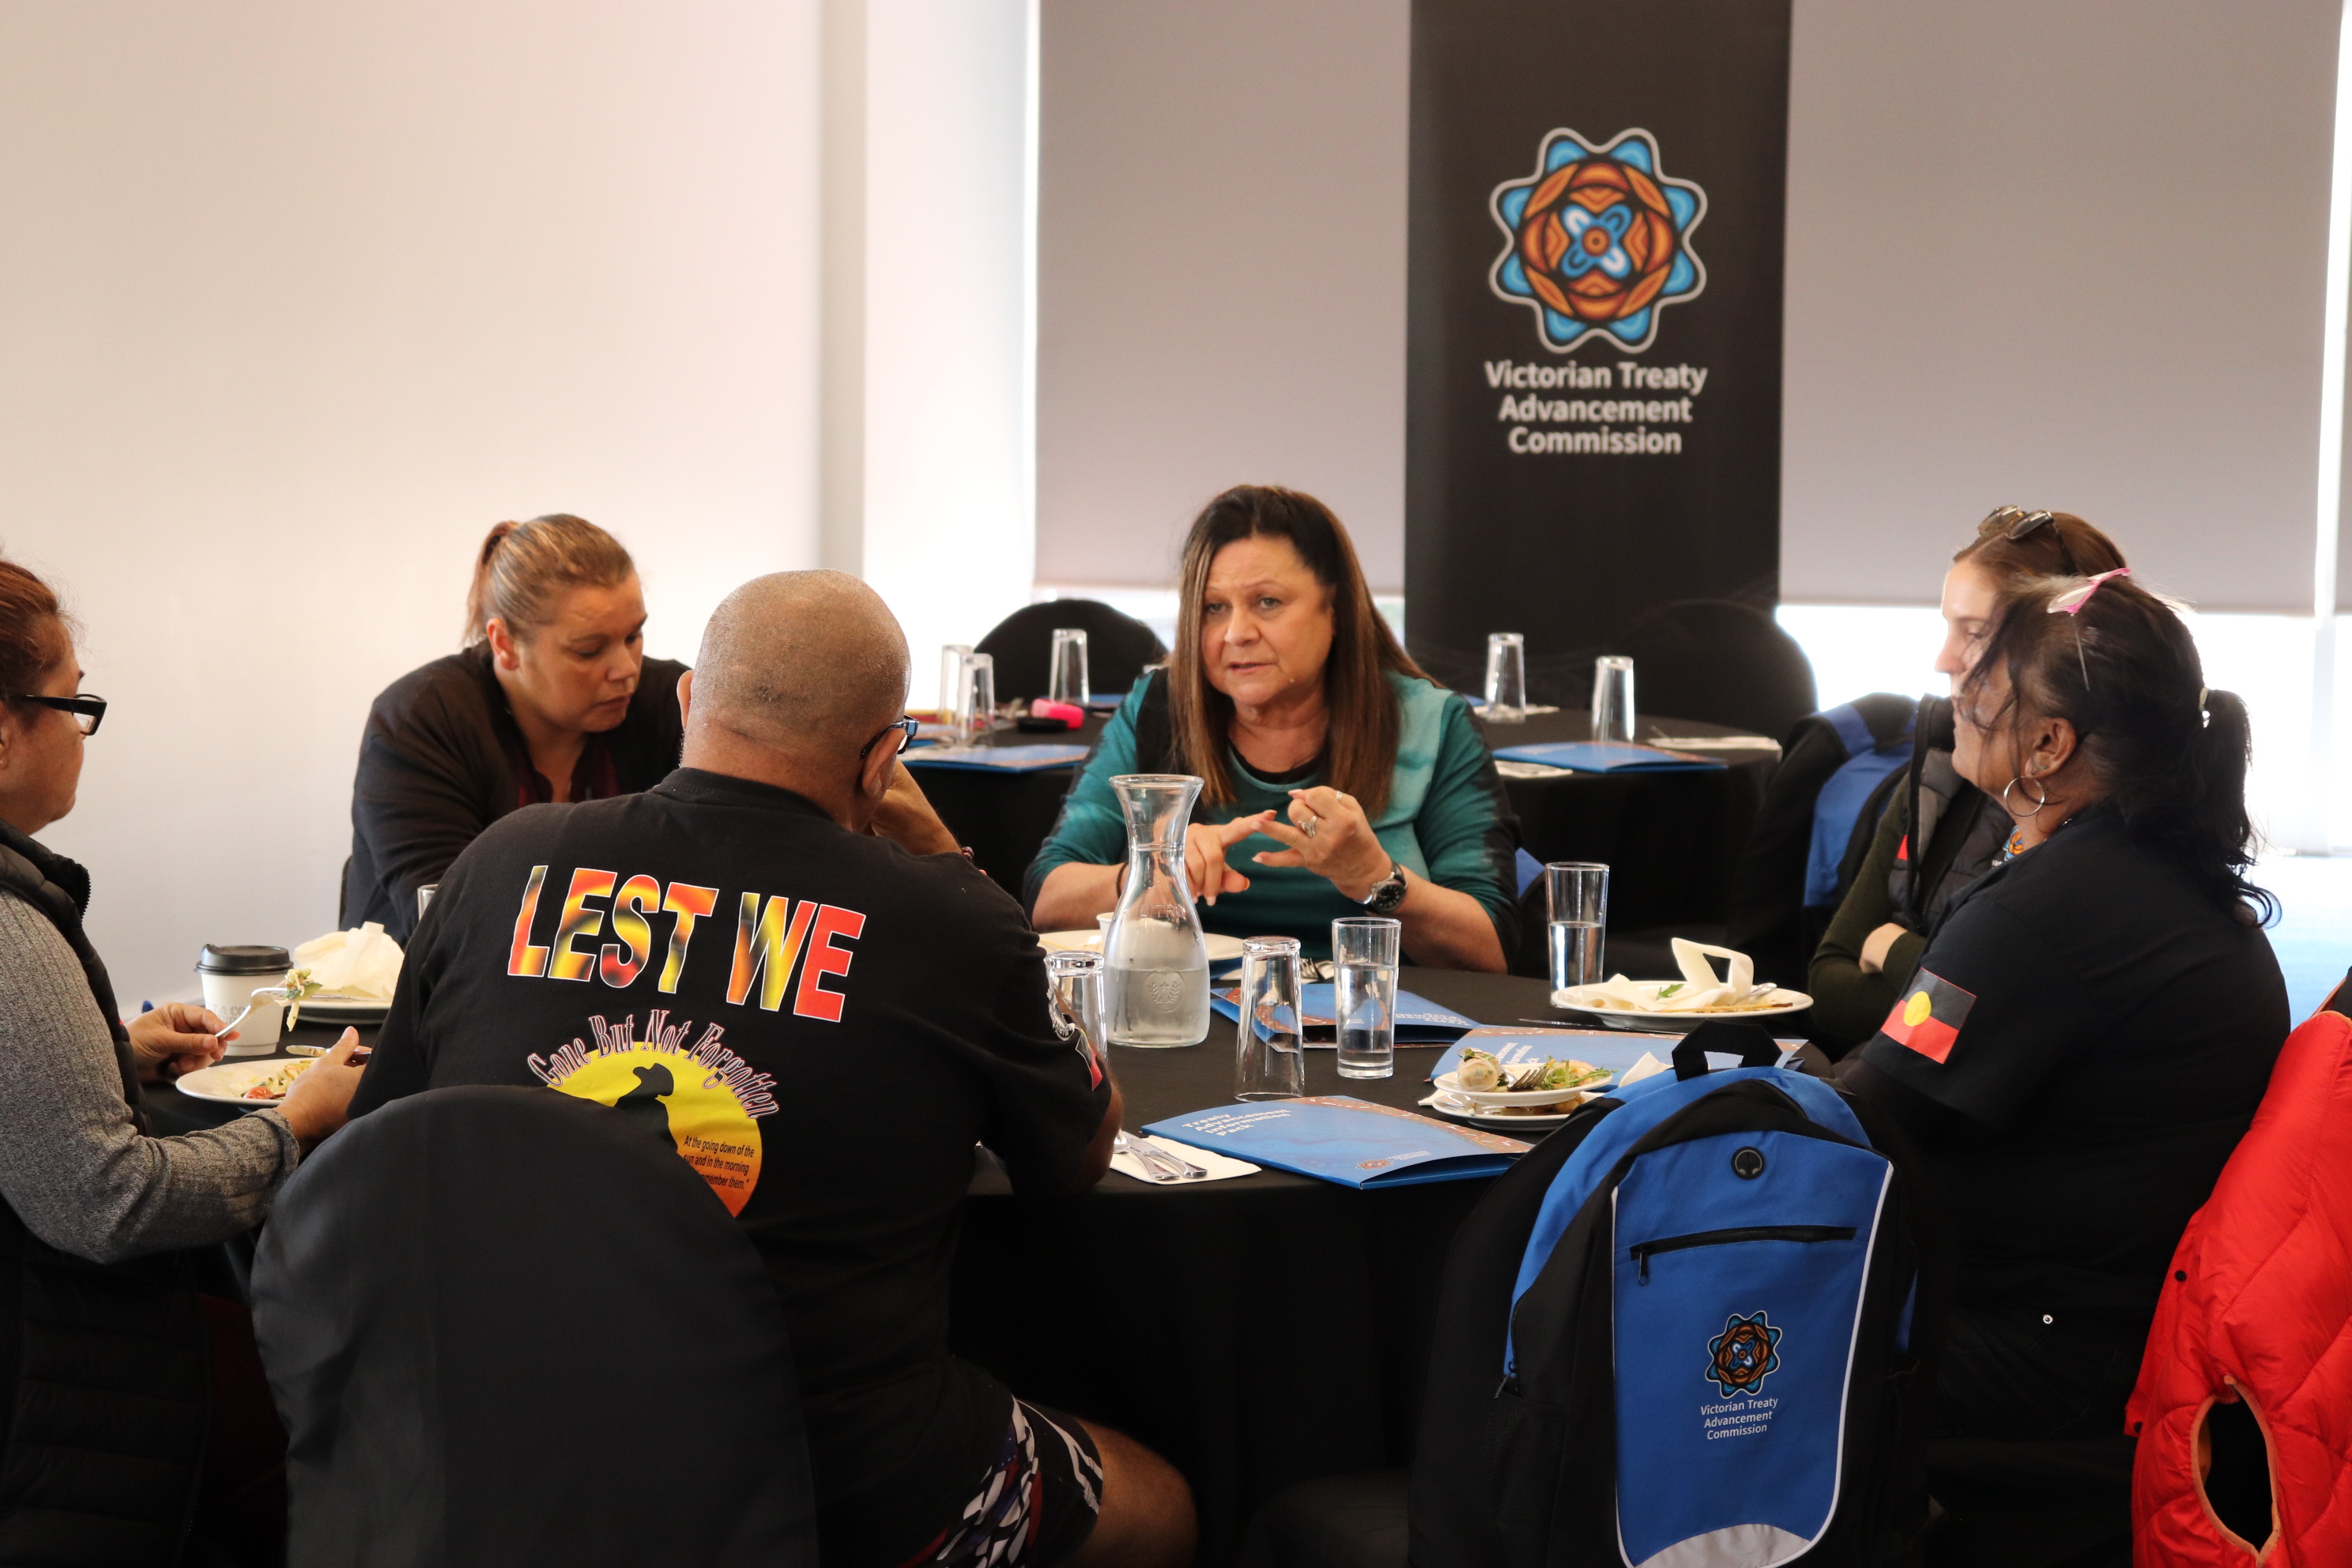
[506, 1325]
[1720, 661]
[1118, 647]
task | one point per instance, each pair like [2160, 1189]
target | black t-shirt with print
[2103, 1029]
[821, 1024]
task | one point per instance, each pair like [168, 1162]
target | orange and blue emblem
[1600, 240]
[1741, 1357]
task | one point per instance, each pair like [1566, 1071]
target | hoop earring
[2037, 805]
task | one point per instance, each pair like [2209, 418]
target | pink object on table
[1067, 713]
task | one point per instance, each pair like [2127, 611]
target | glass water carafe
[1159, 964]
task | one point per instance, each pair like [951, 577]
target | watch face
[1387, 893]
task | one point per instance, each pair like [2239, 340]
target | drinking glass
[425, 898]
[1074, 992]
[1507, 677]
[1268, 1060]
[1577, 893]
[1159, 961]
[952, 657]
[1363, 994]
[1613, 697]
[975, 703]
[1068, 680]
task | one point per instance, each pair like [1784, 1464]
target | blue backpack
[1691, 1329]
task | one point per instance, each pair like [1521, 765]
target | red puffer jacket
[2259, 1308]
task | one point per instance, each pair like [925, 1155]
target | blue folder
[1339, 1138]
[1607, 757]
[1419, 1021]
[1000, 759]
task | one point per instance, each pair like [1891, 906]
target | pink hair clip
[2073, 600]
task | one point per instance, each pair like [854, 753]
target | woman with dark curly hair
[2088, 1036]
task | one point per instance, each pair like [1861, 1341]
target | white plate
[326, 1009]
[1223, 949]
[1784, 1003]
[1445, 1105]
[225, 1083]
[1451, 1083]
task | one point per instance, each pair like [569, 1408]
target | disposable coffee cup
[231, 976]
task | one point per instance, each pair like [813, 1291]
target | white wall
[298, 299]
[1221, 272]
[2063, 252]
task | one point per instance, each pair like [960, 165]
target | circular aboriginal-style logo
[1741, 1357]
[1600, 240]
[681, 1100]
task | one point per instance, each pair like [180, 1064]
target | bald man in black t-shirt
[749, 959]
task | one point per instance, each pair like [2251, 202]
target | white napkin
[1219, 1166]
[1648, 1067]
[363, 963]
[1700, 988]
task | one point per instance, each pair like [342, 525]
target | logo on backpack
[1741, 1357]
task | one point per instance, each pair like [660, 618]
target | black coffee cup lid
[218, 958]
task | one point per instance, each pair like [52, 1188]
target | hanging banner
[1593, 394]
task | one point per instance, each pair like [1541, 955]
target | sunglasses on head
[2014, 523]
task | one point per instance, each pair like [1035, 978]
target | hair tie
[2073, 600]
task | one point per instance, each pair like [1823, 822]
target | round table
[1672, 840]
[1255, 1331]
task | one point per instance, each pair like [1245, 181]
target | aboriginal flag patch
[1929, 1017]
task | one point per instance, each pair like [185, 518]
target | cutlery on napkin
[1218, 1167]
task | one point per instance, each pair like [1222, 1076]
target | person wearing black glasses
[103, 1225]
[749, 951]
[1938, 833]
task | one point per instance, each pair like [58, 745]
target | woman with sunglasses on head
[2088, 1036]
[552, 698]
[1939, 832]
[97, 1294]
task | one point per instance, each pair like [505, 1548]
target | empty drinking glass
[1075, 1001]
[1613, 697]
[951, 659]
[1066, 680]
[1363, 994]
[1577, 893]
[975, 701]
[1507, 677]
[1269, 1063]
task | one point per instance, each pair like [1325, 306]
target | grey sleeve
[72, 1163]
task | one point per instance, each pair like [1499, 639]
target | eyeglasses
[2014, 523]
[906, 727]
[88, 710]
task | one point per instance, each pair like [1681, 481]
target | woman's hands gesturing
[1330, 835]
[1205, 843]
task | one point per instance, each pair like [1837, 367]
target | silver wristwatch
[1388, 892]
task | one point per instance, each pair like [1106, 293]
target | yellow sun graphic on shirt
[678, 1098]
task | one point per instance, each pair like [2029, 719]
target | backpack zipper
[1643, 1250]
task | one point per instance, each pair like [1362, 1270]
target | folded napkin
[1218, 1167]
[1699, 988]
[361, 963]
[1648, 1067]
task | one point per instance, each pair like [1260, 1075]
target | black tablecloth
[1671, 839]
[1255, 1331]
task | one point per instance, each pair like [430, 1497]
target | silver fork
[260, 994]
[1169, 1167]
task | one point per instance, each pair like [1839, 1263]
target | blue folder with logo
[1607, 757]
[999, 759]
[1351, 1142]
[1419, 1021]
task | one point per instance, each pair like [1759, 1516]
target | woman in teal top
[1309, 727]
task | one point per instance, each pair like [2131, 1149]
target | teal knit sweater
[1447, 820]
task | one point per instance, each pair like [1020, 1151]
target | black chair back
[505, 1325]
[1118, 648]
[1719, 660]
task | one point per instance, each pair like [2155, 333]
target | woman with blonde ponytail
[551, 699]
[2088, 1033]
